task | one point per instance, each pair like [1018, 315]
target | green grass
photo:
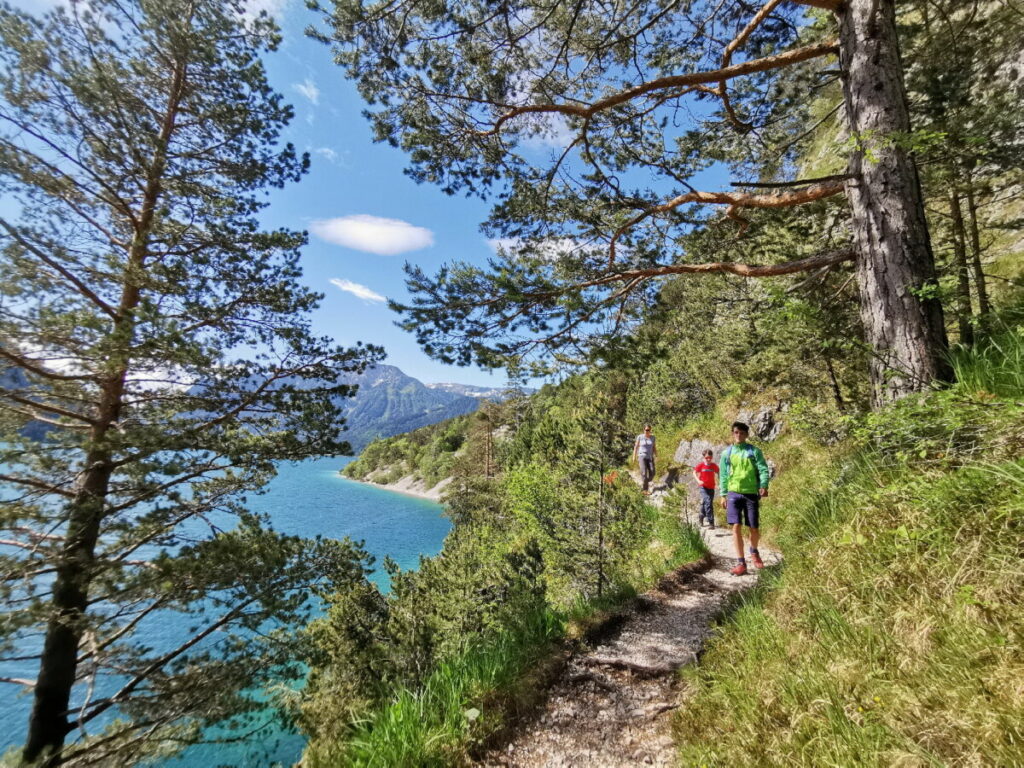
[894, 634]
[464, 701]
[995, 366]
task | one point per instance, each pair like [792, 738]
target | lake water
[305, 499]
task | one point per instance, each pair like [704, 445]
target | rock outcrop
[766, 422]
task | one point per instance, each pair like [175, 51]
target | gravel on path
[611, 707]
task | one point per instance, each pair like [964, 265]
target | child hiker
[704, 473]
[744, 482]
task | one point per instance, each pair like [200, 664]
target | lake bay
[306, 499]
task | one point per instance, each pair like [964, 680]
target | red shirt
[707, 471]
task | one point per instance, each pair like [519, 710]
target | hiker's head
[647, 429]
[740, 431]
[708, 455]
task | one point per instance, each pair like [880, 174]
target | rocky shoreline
[410, 485]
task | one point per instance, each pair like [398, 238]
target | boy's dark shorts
[742, 508]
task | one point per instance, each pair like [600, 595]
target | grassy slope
[470, 698]
[894, 635]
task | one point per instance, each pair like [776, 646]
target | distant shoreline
[408, 486]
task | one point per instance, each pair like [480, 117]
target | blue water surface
[306, 499]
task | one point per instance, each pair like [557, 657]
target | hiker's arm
[763, 473]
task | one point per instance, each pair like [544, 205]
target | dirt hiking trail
[611, 707]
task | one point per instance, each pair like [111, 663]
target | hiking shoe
[758, 562]
[739, 570]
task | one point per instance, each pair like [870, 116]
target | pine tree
[471, 90]
[158, 362]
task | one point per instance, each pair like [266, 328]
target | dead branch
[794, 183]
[733, 200]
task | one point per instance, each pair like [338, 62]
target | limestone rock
[766, 423]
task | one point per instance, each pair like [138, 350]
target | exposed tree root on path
[613, 704]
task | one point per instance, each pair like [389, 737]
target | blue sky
[364, 215]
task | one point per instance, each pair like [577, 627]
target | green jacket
[742, 469]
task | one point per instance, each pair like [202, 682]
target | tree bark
[963, 280]
[903, 323]
[979, 274]
[48, 724]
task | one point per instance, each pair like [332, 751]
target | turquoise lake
[308, 499]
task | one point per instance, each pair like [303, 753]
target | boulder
[691, 452]
[766, 422]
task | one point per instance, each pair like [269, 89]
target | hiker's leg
[753, 519]
[734, 517]
[737, 539]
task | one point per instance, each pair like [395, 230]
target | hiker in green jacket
[743, 482]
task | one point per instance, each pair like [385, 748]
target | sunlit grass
[895, 633]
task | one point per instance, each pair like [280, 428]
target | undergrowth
[894, 635]
[476, 694]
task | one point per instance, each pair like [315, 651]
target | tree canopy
[157, 361]
[590, 123]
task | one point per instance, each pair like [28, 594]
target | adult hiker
[645, 450]
[704, 473]
[743, 483]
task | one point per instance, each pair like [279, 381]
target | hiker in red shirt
[705, 475]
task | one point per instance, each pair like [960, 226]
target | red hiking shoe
[739, 570]
[758, 562]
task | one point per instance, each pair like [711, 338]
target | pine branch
[672, 81]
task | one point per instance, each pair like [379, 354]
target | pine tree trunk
[963, 281]
[48, 723]
[894, 256]
[979, 274]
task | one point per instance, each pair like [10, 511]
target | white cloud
[364, 293]
[549, 132]
[274, 8]
[308, 89]
[326, 152]
[362, 232]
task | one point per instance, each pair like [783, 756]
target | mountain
[389, 402]
[497, 394]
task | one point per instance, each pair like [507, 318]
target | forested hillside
[388, 402]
